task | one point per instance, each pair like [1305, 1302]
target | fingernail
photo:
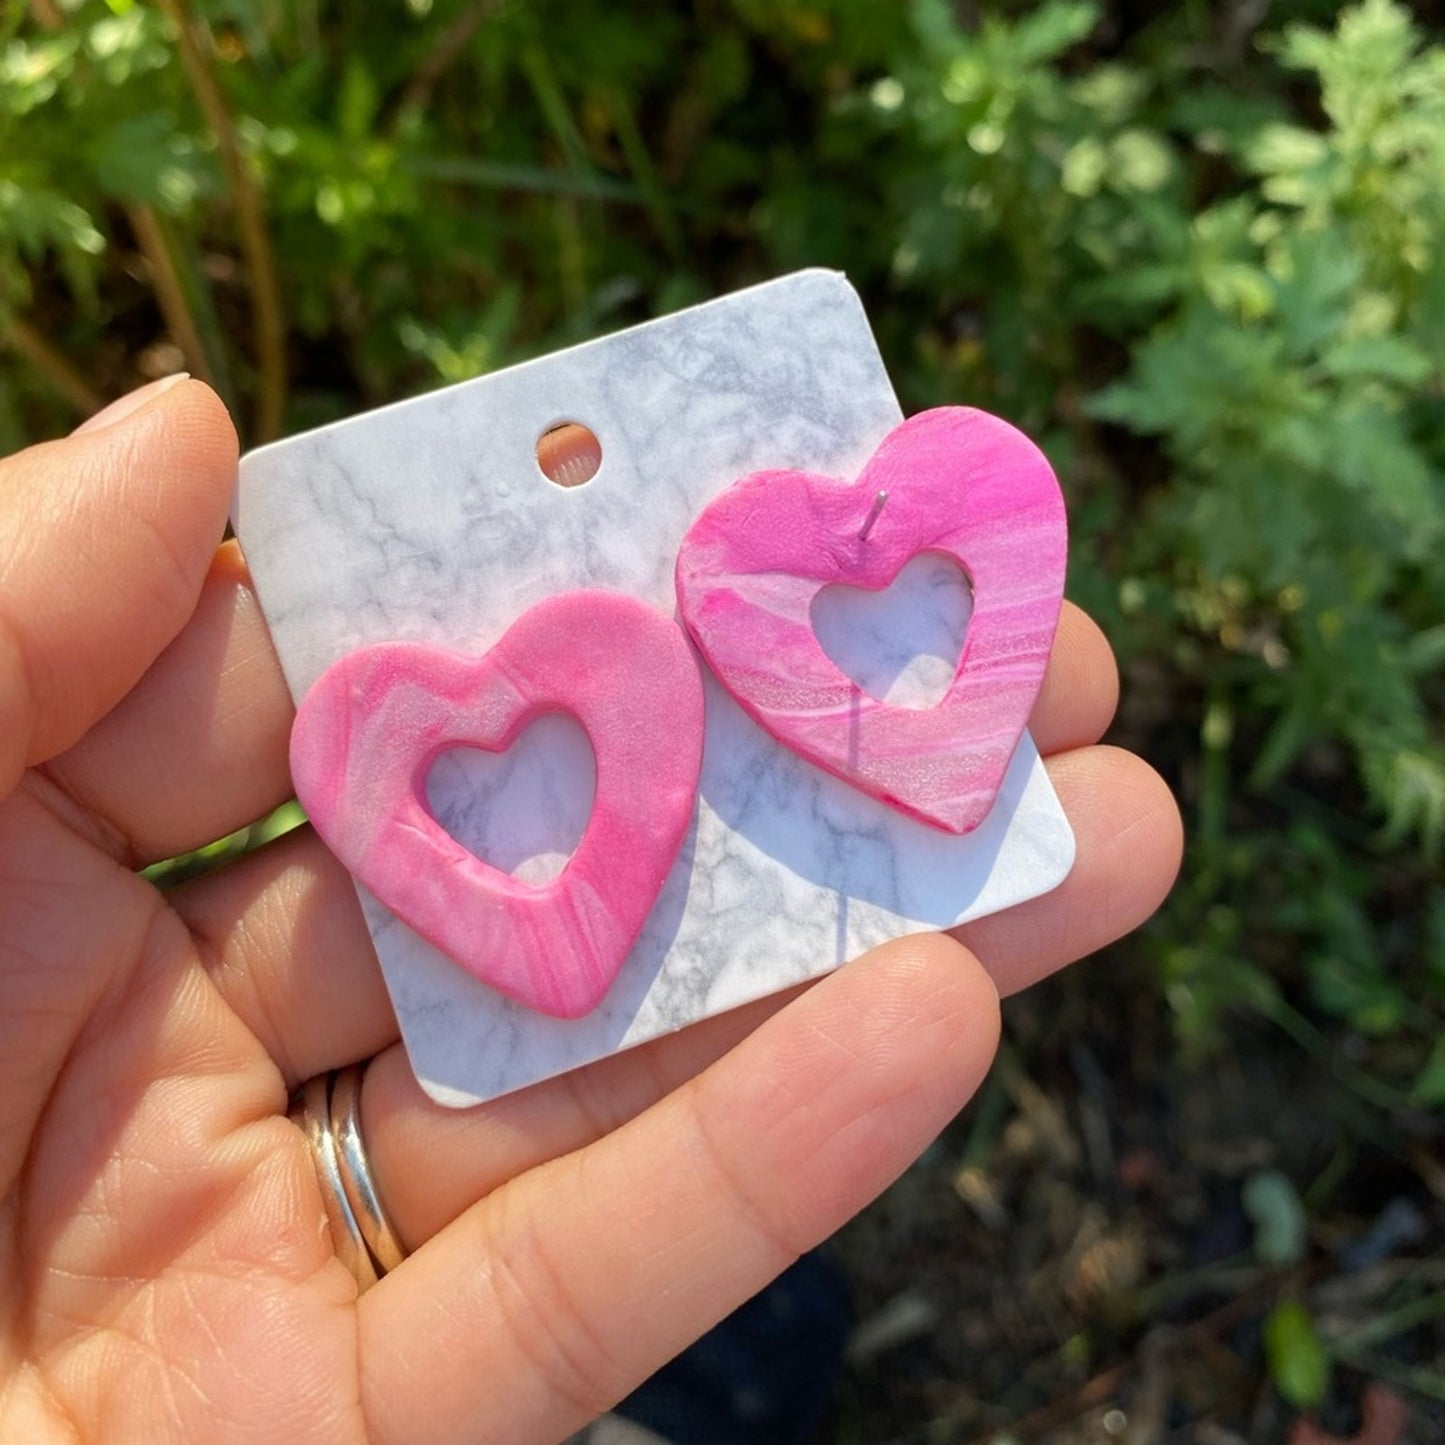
[132, 401]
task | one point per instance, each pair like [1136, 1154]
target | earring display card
[430, 521]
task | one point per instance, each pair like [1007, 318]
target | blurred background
[1199, 254]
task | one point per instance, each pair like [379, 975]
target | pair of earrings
[955, 481]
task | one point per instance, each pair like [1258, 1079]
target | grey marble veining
[430, 521]
[900, 645]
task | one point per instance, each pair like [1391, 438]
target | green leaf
[1112, 92]
[31, 73]
[1373, 454]
[1140, 160]
[1410, 782]
[1052, 29]
[1319, 283]
[1429, 1089]
[1285, 149]
[356, 103]
[1352, 986]
[1273, 1205]
[1283, 743]
[1388, 357]
[149, 159]
[1298, 1364]
[1425, 651]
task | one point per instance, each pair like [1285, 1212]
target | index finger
[105, 537]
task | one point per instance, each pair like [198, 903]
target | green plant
[1297, 385]
[1295, 382]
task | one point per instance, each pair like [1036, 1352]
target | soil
[1073, 1260]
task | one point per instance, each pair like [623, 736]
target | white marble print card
[430, 521]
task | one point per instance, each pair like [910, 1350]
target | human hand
[166, 1270]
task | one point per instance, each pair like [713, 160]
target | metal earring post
[879, 502]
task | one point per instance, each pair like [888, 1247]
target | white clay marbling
[900, 645]
[429, 521]
[953, 480]
[372, 726]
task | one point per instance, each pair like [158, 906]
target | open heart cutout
[371, 727]
[957, 481]
[524, 810]
[901, 644]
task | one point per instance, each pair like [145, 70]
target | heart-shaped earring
[368, 731]
[954, 480]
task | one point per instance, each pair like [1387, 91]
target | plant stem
[45, 14]
[1215, 737]
[639, 162]
[267, 317]
[555, 111]
[170, 294]
[500, 175]
[1419, 1378]
[439, 59]
[1399, 1321]
[1096, 1391]
[50, 363]
[1350, 1076]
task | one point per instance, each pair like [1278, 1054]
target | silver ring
[328, 1113]
[380, 1238]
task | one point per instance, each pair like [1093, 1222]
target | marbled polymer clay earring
[369, 729]
[955, 481]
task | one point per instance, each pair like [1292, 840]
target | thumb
[105, 538]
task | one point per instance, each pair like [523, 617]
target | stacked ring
[328, 1111]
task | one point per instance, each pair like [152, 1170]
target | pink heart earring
[954, 480]
[368, 731]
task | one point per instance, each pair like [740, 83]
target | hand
[165, 1266]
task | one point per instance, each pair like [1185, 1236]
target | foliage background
[1200, 254]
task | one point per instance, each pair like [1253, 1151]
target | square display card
[431, 521]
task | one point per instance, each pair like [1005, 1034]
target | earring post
[879, 502]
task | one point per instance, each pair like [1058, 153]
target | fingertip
[188, 416]
[180, 390]
[1130, 832]
[124, 407]
[1080, 691]
[1129, 839]
[948, 979]
[977, 1004]
[1143, 817]
[1092, 644]
[108, 535]
[1163, 825]
[167, 458]
[201, 412]
[906, 1032]
[929, 983]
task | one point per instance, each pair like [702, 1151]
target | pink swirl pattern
[370, 728]
[960, 482]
